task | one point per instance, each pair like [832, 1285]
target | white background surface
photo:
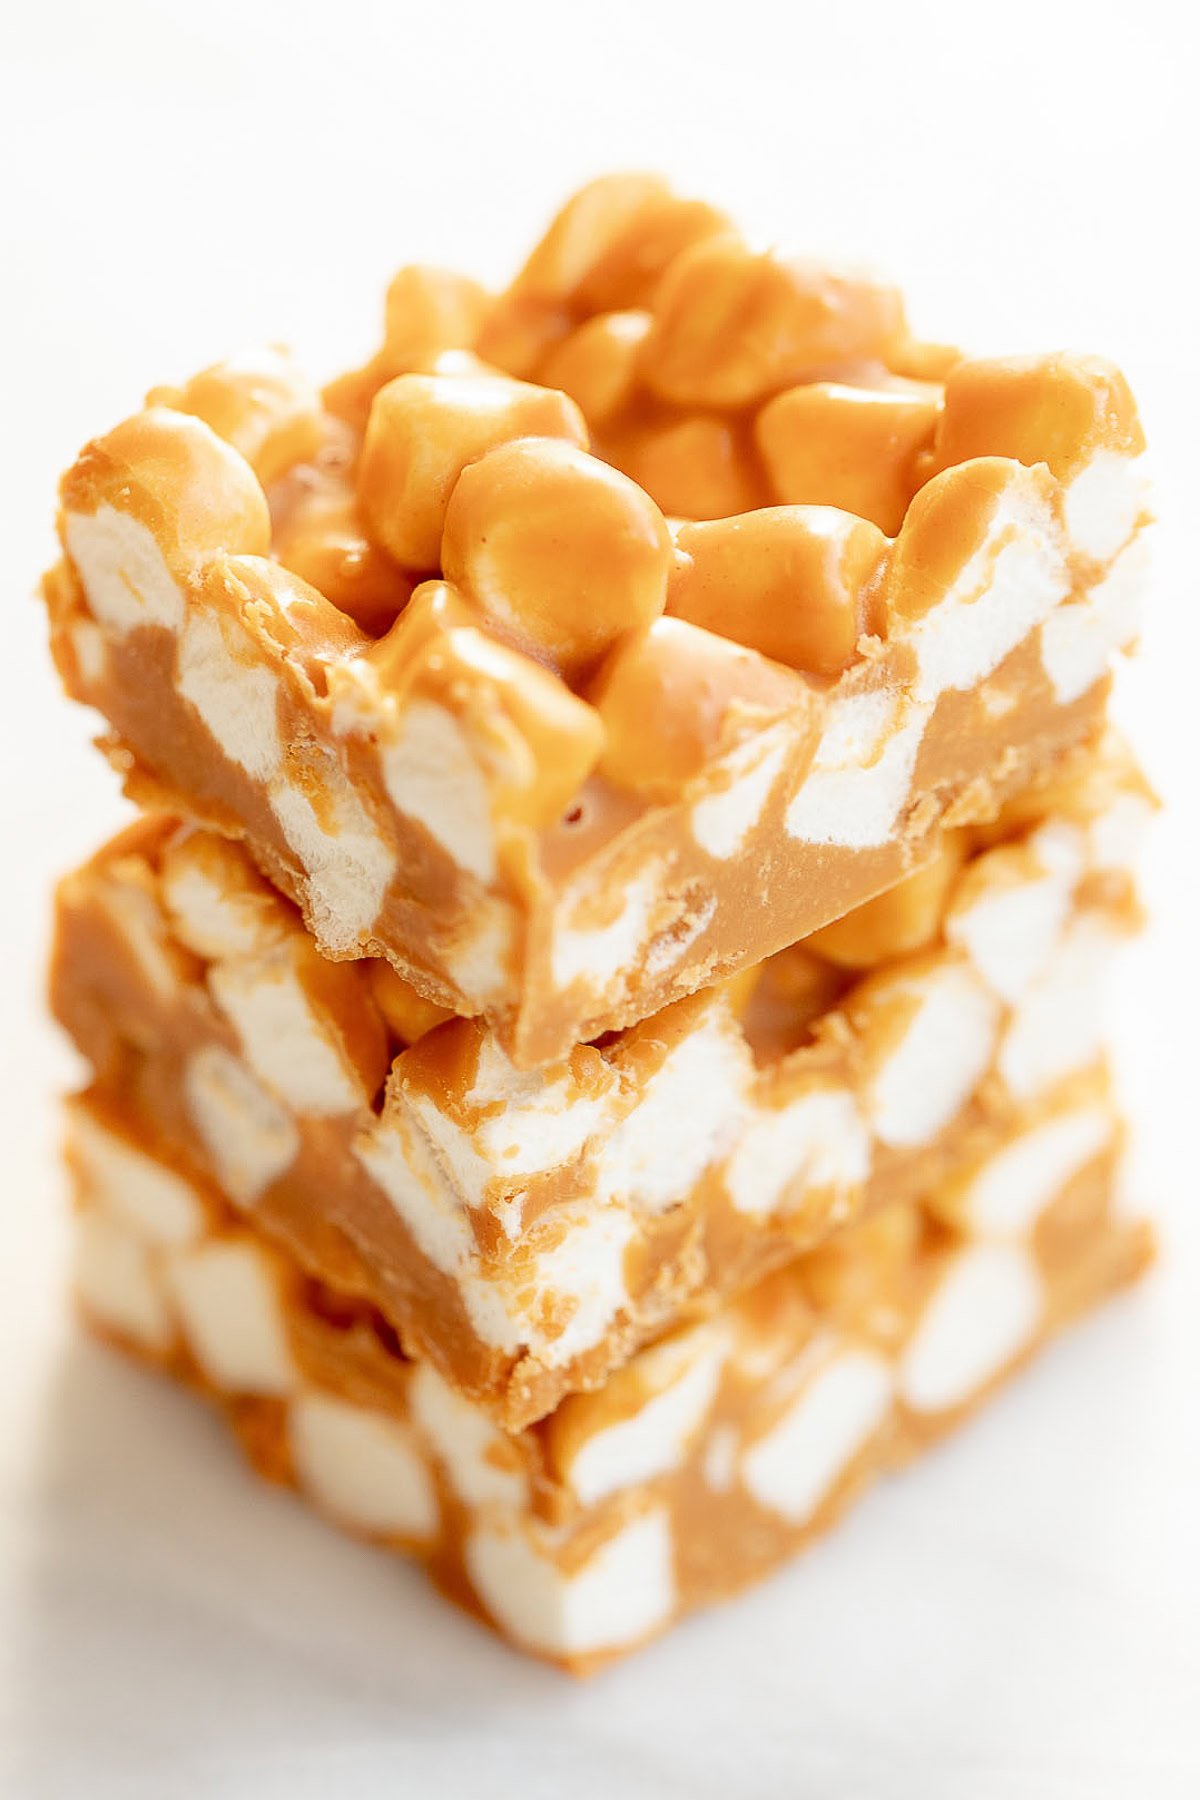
[1019, 1615]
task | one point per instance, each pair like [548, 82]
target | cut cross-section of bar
[709, 1458]
[526, 1231]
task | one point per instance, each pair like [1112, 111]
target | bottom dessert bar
[711, 1457]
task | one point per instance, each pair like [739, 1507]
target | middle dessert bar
[525, 1232]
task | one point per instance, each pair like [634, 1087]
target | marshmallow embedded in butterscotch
[422, 432]
[609, 245]
[1058, 410]
[674, 698]
[733, 326]
[259, 402]
[427, 311]
[217, 902]
[827, 444]
[597, 364]
[797, 583]
[559, 551]
[694, 466]
[463, 699]
[172, 474]
[950, 519]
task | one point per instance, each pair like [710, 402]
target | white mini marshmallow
[400, 1161]
[282, 1037]
[218, 671]
[116, 1279]
[90, 649]
[687, 1114]
[349, 867]
[722, 822]
[537, 1121]
[797, 1463]
[133, 914]
[985, 1310]
[1078, 639]
[1014, 1187]
[1103, 504]
[943, 1054]
[229, 1305]
[207, 918]
[583, 1275]
[478, 959]
[126, 581]
[818, 1140]
[622, 1593]
[683, 1374]
[1116, 835]
[861, 773]
[153, 1201]
[481, 1464]
[1010, 933]
[432, 777]
[362, 1468]
[248, 1135]
[1058, 1027]
[1013, 582]
[597, 954]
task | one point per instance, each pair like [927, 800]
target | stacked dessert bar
[595, 1036]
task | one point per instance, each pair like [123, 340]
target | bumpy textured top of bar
[666, 523]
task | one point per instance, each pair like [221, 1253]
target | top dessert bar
[600, 638]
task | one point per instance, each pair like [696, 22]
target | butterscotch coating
[798, 583]
[422, 432]
[407, 1014]
[597, 364]
[609, 245]
[321, 535]
[325, 545]
[435, 608]
[1058, 410]
[694, 466]
[558, 550]
[847, 1272]
[520, 332]
[903, 919]
[429, 310]
[287, 618]
[675, 697]
[915, 359]
[733, 326]
[854, 447]
[259, 402]
[190, 488]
